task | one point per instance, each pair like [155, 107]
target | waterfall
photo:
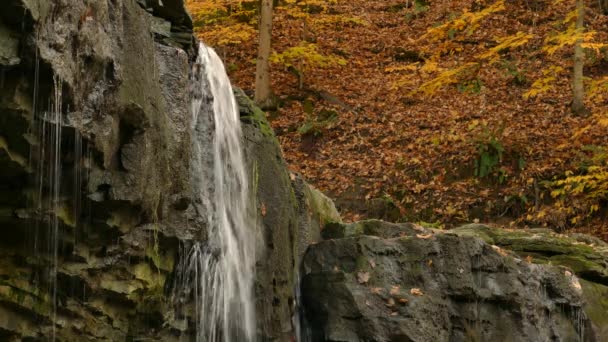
[218, 271]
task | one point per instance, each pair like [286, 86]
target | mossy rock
[585, 255]
[252, 114]
[373, 227]
[597, 307]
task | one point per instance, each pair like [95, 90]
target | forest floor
[361, 132]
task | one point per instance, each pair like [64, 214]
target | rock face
[374, 281]
[96, 95]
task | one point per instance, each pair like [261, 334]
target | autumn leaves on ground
[438, 112]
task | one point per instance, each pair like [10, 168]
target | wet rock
[9, 47]
[405, 283]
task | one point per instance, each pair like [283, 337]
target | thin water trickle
[55, 186]
[218, 271]
[47, 200]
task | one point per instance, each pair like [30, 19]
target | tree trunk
[604, 6]
[263, 93]
[578, 90]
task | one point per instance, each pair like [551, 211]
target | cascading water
[218, 271]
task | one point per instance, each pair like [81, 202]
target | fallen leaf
[416, 291]
[363, 277]
[403, 300]
[372, 263]
[430, 263]
[376, 290]
[390, 302]
[421, 236]
[263, 210]
[395, 290]
[529, 259]
[418, 227]
[499, 250]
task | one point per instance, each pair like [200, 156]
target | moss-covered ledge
[585, 255]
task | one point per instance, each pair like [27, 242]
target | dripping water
[54, 186]
[218, 272]
[46, 161]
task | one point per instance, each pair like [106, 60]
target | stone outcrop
[376, 281]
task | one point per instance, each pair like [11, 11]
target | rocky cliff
[96, 206]
[97, 210]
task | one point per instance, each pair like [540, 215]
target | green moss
[17, 158]
[545, 246]
[252, 114]
[362, 263]
[579, 264]
[163, 261]
[321, 206]
[596, 308]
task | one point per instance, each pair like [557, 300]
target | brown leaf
[263, 210]
[421, 236]
[376, 290]
[395, 290]
[416, 291]
[499, 250]
[363, 277]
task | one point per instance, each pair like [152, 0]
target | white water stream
[219, 272]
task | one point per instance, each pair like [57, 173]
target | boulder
[376, 281]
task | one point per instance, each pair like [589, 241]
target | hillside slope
[476, 148]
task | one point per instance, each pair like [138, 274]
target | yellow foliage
[544, 84]
[305, 56]
[228, 35]
[445, 78]
[570, 36]
[598, 89]
[223, 22]
[509, 42]
[409, 67]
[468, 20]
[579, 195]
[301, 8]
[339, 20]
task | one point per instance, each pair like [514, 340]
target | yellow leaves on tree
[305, 56]
[468, 21]
[448, 77]
[505, 43]
[544, 84]
[223, 22]
[579, 195]
[228, 35]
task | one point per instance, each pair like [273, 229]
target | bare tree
[578, 89]
[263, 92]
